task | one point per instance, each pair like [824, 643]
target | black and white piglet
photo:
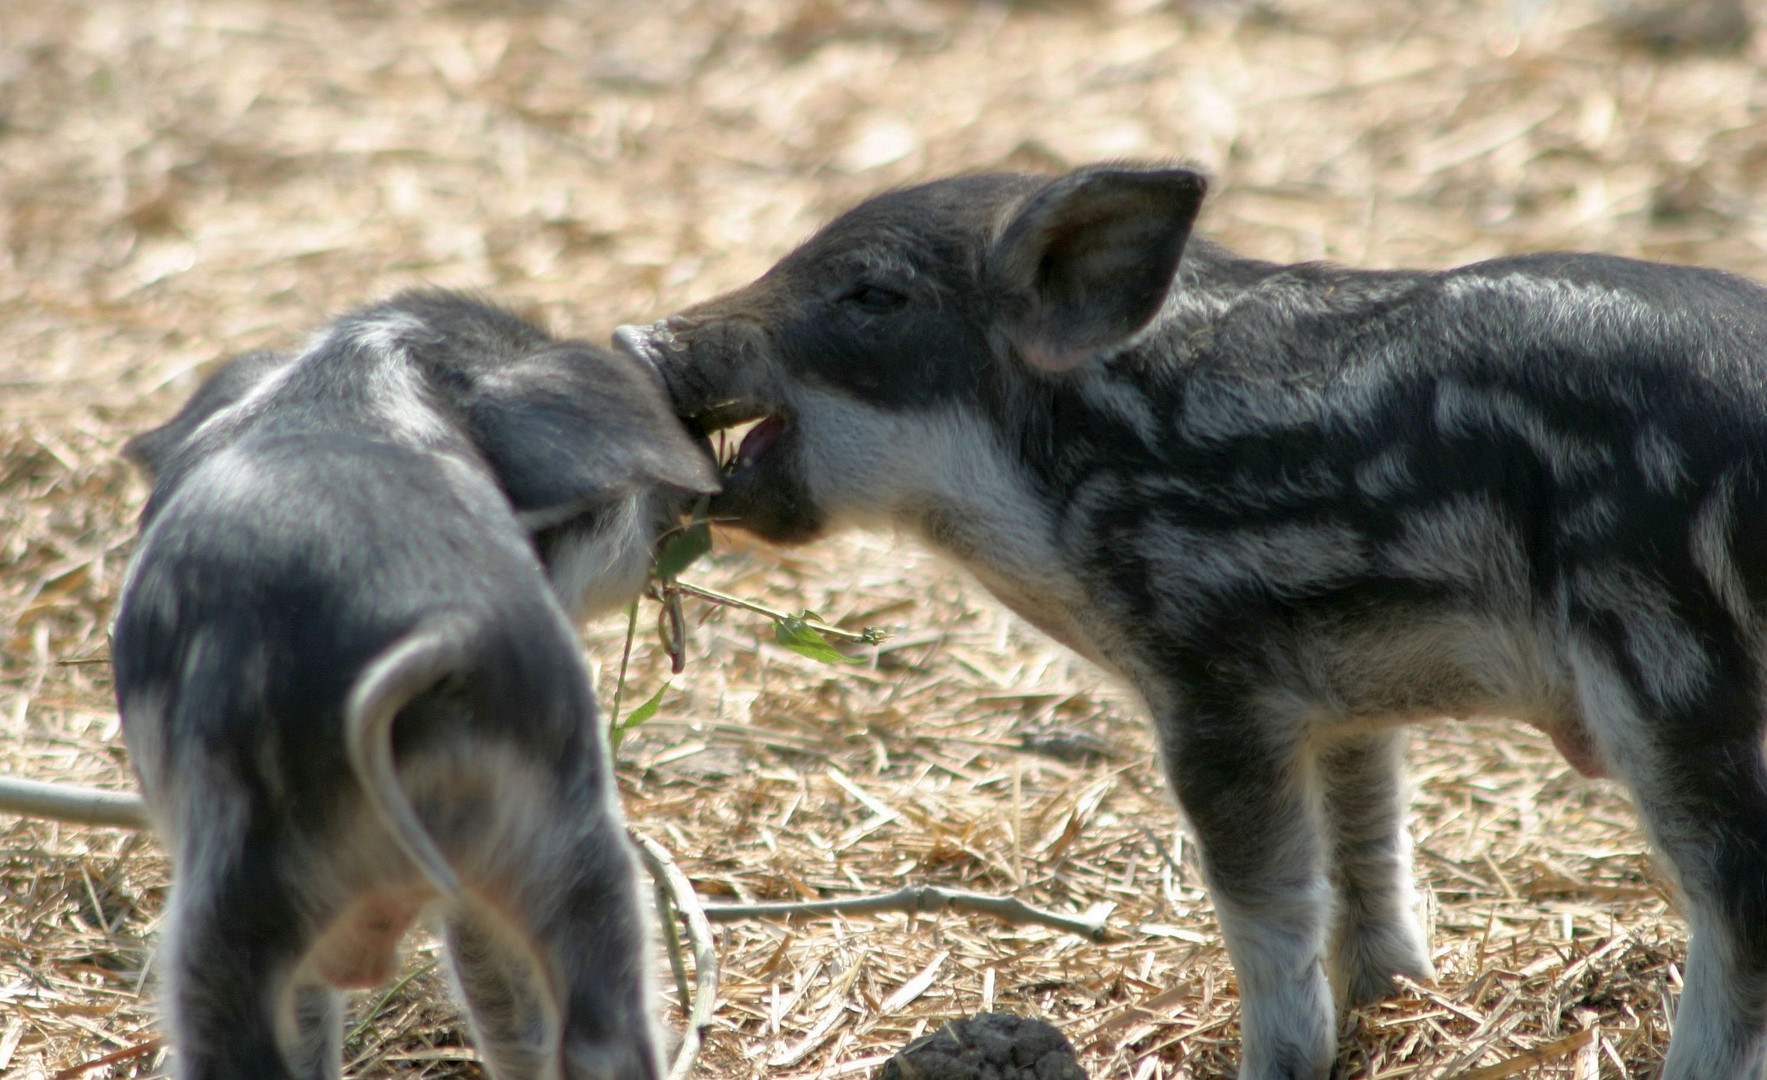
[1295, 507]
[350, 687]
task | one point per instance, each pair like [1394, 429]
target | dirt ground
[180, 181]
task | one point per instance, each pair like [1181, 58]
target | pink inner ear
[1040, 355]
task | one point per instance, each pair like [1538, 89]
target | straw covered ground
[183, 180]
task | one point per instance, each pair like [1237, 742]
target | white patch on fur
[871, 467]
[596, 572]
[385, 334]
[403, 403]
[947, 475]
[1469, 412]
[226, 477]
[1709, 541]
[1289, 560]
[1619, 728]
[1593, 518]
[1660, 460]
[249, 405]
[1674, 666]
[1466, 541]
[391, 384]
[1386, 474]
[1220, 407]
[391, 387]
[1470, 666]
[1559, 307]
[146, 729]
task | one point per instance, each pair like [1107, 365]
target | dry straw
[181, 181]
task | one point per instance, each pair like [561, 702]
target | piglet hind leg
[314, 1042]
[1699, 780]
[514, 1010]
[551, 952]
[1712, 826]
[597, 937]
[1250, 794]
[1376, 934]
[238, 1003]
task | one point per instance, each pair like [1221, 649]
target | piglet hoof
[1365, 965]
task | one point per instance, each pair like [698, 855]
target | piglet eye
[874, 299]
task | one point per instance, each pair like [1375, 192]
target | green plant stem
[869, 635]
[368, 1017]
[613, 720]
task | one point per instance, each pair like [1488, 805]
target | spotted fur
[1293, 506]
[351, 690]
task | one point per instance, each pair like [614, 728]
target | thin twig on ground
[1530, 1059]
[926, 898]
[869, 635]
[129, 1053]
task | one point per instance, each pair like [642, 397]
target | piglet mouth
[740, 434]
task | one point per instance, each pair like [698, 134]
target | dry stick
[870, 635]
[921, 898]
[65, 802]
[1529, 1059]
[126, 1054]
[705, 954]
[90, 806]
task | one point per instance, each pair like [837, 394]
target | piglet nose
[635, 340]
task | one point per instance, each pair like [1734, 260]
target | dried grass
[182, 181]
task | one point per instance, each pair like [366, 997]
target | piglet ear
[1086, 262]
[156, 450]
[569, 427]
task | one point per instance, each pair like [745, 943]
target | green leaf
[644, 711]
[682, 550]
[796, 634]
[617, 730]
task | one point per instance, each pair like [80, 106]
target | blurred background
[180, 181]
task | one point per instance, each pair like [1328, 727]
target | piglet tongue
[758, 439]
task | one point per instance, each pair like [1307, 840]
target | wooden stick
[1529, 1059]
[923, 898]
[699, 935]
[90, 806]
[66, 802]
[126, 1054]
